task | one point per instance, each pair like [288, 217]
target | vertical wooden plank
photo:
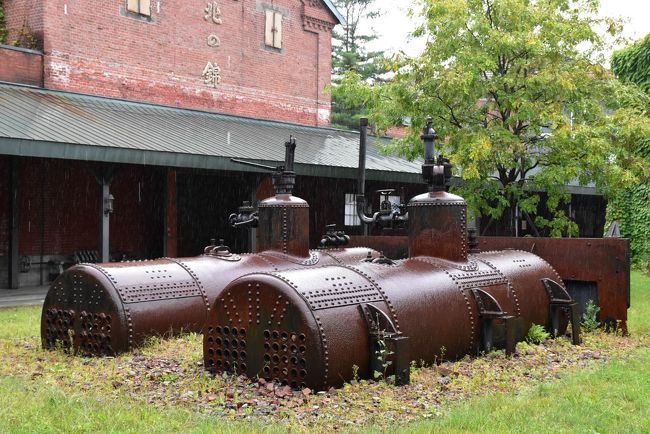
[133, 6]
[14, 222]
[277, 24]
[145, 7]
[268, 29]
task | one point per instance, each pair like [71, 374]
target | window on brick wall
[142, 7]
[351, 217]
[273, 29]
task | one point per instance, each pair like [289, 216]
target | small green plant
[382, 353]
[355, 372]
[590, 317]
[3, 24]
[537, 334]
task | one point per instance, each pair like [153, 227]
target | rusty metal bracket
[489, 311]
[387, 345]
[560, 301]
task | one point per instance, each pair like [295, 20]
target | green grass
[27, 409]
[42, 391]
[613, 398]
[20, 323]
[639, 312]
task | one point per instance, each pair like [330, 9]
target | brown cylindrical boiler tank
[105, 309]
[306, 328]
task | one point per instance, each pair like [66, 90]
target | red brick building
[263, 59]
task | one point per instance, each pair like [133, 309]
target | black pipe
[361, 178]
[429, 137]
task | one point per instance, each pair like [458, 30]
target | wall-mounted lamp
[108, 204]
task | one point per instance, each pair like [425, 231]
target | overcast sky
[394, 25]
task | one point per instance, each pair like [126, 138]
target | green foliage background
[349, 53]
[632, 206]
[519, 92]
[3, 23]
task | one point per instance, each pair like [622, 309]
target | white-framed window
[351, 217]
[142, 7]
[273, 29]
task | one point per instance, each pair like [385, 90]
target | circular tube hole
[285, 336]
[242, 354]
[275, 359]
[275, 346]
[302, 337]
[267, 358]
[267, 334]
[303, 373]
[226, 330]
[302, 349]
[275, 334]
[242, 333]
[294, 372]
[217, 329]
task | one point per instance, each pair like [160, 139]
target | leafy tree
[3, 24]
[631, 207]
[517, 90]
[350, 53]
[633, 64]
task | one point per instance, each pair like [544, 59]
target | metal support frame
[384, 336]
[489, 312]
[559, 302]
[14, 223]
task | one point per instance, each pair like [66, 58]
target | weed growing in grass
[590, 317]
[537, 334]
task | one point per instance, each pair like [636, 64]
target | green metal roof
[44, 123]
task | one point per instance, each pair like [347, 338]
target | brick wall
[21, 66]
[59, 206]
[24, 19]
[137, 224]
[96, 47]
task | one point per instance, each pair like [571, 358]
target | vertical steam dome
[438, 220]
[437, 226]
[284, 224]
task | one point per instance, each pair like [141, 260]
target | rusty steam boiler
[315, 327]
[104, 309]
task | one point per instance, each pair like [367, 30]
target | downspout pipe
[361, 177]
